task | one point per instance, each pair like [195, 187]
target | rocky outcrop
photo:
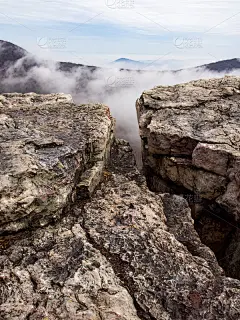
[55, 273]
[110, 249]
[191, 137]
[52, 151]
[191, 145]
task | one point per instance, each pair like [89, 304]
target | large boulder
[52, 151]
[191, 138]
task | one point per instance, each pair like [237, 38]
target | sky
[170, 33]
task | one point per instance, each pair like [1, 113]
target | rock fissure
[213, 166]
[101, 245]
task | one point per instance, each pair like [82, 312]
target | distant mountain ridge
[126, 60]
[10, 53]
[157, 65]
[20, 71]
[11, 71]
[218, 66]
[223, 65]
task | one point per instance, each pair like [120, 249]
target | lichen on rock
[83, 237]
[191, 145]
[47, 143]
[191, 136]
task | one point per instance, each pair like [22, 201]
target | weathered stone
[153, 248]
[118, 243]
[191, 137]
[47, 145]
[119, 251]
[55, 273]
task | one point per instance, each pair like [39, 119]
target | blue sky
[99, 31]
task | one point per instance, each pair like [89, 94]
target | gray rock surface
[55, 273]
[191, 137]
[153, 248]
[47, 143]
[114, 250]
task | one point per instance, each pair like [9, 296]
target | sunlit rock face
[191, 145]
[191, 137]
[99, 245]
[52, 151]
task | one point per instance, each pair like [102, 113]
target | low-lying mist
[116, 88]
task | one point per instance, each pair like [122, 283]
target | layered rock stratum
[191, 144]
[191, 135]
[46, 145]
[83, 237]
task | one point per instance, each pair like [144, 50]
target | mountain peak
[125, 60]
[10, 52]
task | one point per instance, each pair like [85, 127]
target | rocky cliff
[82, 236]
[47, 147]
[191, 145]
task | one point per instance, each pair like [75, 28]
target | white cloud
[117, 89]
[29, 19]
[150, 27]
[149, 16]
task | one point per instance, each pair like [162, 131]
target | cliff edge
[82, 236]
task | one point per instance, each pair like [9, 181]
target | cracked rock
[47, 145]
[191, 138]
[153, 248]
[100, 245]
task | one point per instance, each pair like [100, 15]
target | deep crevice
[216, 228]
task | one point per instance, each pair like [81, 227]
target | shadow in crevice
[215, 226]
